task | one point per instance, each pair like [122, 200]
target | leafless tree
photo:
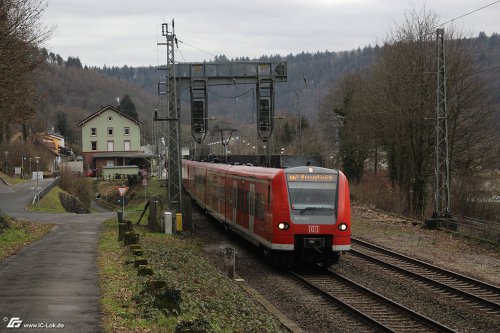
[391, 107]
[20, 38]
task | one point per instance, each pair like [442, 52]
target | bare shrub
[476, 196]
[376, 190]
[76, 185]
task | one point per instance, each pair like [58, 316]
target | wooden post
[122, 229]
[152, 223]
[229, 262]
[187, 212]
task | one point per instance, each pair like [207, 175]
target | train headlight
[283, 226]
[342, 227]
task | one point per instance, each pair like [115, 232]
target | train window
[268, 195]
[312, 195]
[262, 207]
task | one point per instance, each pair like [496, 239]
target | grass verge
[16, 234]
[194, 292]
[12, 180]
[49, 203]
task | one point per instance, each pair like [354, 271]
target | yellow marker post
[178, 218]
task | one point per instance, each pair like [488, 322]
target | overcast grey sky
[126, 32]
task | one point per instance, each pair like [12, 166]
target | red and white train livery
[300, 213]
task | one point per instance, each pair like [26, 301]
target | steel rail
[411, 316]
[435, 272]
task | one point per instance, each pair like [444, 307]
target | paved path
[54, 280]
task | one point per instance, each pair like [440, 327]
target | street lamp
[5, 162]
[37, 159]
[22, 166]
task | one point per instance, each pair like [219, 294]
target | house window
[127, 130]
[93, 145]
[111, 145]
[110, 118]
[126, 145]
[93, 131]
[110, 131]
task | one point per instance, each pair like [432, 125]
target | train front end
[320, 215]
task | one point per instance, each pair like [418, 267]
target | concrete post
[229, 262]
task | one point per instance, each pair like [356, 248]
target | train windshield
[310, 193]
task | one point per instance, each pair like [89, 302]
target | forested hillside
[309, 75]
[71, 91]
[370, 112]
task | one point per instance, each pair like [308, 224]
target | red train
[300, 213]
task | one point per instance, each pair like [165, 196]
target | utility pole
[442, 171]
[198, 77]
[300, 123]
[168, 88]
[441, 216]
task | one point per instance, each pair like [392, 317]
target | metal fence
[475, 228]
[45, 190]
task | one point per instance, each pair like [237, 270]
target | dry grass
[19, 234]
[178, 260]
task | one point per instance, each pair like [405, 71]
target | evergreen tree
[127, 106]
[61, 123]
[74, 62]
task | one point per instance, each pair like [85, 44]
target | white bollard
[168, 222]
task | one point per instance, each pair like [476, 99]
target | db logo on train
[314, 229]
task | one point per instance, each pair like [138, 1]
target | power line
[486, 69]
[195, 47]
[476, 10]
[177, 45]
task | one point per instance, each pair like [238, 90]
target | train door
[262, 209]
[251, 208]
[235, 200]
[242, 204]
[220, 194]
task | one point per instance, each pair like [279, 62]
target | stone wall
[72, 204]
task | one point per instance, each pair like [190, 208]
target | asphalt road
[51, 282]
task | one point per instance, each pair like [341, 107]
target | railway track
[475, 293]
[379, 312]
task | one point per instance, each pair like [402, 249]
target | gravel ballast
[436, 247]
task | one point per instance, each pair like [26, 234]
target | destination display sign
[307, 177]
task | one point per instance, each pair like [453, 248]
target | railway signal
[198, 77]
[265, 112]
[199, 102]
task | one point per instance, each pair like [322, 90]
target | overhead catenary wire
[447, 22]
[178, 49]
[486, 69]
[197, 48]
[471, 12]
